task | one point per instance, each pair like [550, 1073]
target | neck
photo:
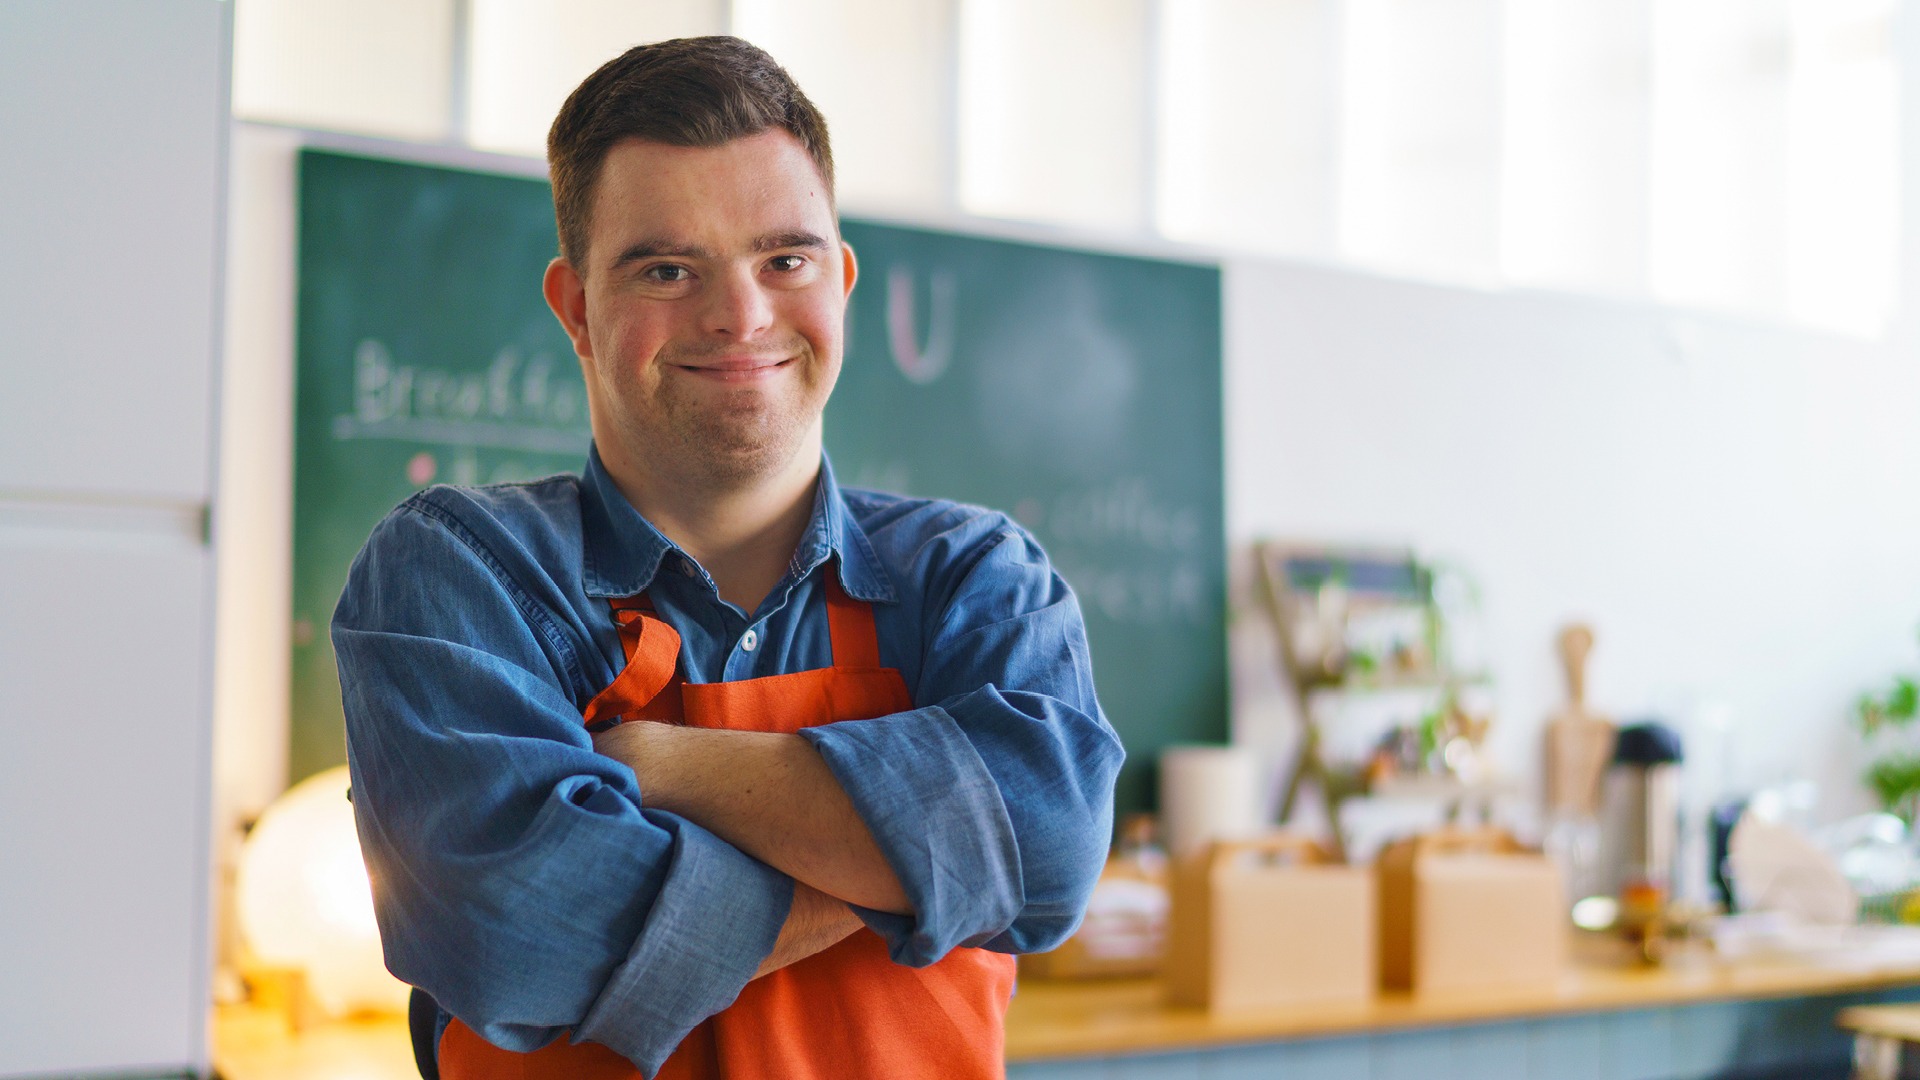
[744, 533]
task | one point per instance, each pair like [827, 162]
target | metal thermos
[1641, 813]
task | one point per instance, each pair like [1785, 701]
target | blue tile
[1765, 1035]
[1414, 1055]
[1491, 1052]
[1064, 1069]
[1567, 1048]
[1640, 1045]
[1313, 1059]
[1185, 1066]
[1331, 1059]
[1270, 1061]
[1794, 1031]
[1706, 1039]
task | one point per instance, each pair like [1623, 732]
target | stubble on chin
[722, 440]
[732, 451]
[728, 443]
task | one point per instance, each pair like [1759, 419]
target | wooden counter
[1054, 1022]
[1065, 1019]
[252, 1043]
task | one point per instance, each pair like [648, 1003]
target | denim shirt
[519, 879]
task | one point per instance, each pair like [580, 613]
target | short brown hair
[701, 91]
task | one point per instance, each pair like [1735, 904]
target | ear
[567, 295]
[850, 268]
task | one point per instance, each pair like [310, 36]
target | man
[698, 764]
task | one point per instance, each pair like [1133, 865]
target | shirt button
[749, 641]
[686, 567]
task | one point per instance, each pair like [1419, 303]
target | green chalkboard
[423, 354]
[1081, 393]
[1078, 391]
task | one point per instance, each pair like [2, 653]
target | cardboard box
[1269, 922]
[1123, 935]
[1469, 910]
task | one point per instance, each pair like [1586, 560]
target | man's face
[710, 320]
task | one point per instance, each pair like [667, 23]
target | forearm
[816, 922]
[768, 794]
[1008, 793]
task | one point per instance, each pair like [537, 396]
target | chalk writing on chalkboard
[920, 363]
[1131, 556]
[511, 404]
[1124, 512]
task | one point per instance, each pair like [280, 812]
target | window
[526, 56]
[382, 67]
[883, 73]
[1739, 155]
[1052, 100]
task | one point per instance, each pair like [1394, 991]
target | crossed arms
[535, 885]
[772, 796]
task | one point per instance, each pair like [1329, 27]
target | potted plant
[1894, 776]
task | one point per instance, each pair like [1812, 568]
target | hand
[643, 746]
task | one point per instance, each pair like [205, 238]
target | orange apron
[845, 1013]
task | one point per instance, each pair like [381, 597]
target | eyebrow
[654, 248]
[798, 238]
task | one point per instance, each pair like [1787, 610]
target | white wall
[255, 522]
[1733, 507]
[1727, 502]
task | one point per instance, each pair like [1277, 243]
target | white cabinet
[103, 801]
[113, 127]
[113, 134]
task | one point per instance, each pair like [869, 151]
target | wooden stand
[1311, 677]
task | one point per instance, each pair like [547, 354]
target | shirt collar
[623, 550]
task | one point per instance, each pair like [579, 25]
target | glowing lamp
[304, 901]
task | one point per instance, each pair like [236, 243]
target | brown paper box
[1124, 933]
[1269, 922]
[1469, 910]
[1073, 960]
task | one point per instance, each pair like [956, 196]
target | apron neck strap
[856, 643]
[653, 657]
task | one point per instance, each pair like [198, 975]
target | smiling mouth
[738, 371]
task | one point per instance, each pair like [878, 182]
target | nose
[738, 306]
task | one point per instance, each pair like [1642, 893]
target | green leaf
[1895, 779]
[1430, 725]
[1903, 701]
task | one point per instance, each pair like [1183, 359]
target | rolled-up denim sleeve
[516, 876]
[993, 802]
